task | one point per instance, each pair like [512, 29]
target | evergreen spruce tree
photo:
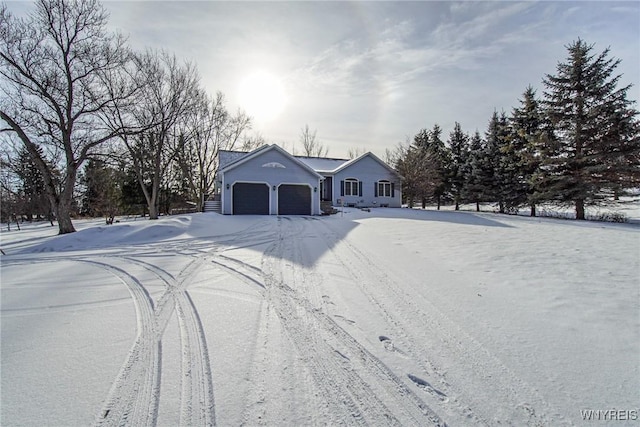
[459, 153]
[420, 169]
[32, 191]
[440, 155]
[491, 179]
[103, 190]
[132, 199]
[596, 147]
[473, 190]
[527, 128]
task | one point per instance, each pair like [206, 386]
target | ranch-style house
[270, 181]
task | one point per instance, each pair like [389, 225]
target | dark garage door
[294, 200]
[250, 199]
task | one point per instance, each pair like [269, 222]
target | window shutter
[375, 189]
[393, 190]
[360, 188]
[342, 188]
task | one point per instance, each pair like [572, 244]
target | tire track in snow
[133, 398]
[364, 271]
[351, 379]
[486, 368]
[198, 405]
[197, 398]
[249, 277]
[135, 394]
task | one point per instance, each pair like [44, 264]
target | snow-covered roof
[322, 164]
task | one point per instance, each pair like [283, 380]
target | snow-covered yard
[388, 317]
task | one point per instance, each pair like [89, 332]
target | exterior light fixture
[315, 189]
[227, 186]
[274, 188]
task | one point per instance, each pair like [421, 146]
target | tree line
[92, 127]
[578, 144]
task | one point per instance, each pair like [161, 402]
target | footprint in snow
[387, 343]
[349, 321]
[327, 299]
[424, 385]
[390, 346]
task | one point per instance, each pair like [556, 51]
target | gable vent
[274, 165]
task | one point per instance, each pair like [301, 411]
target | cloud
[363, 72]
[404, 51]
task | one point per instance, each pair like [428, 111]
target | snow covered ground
[388, 317]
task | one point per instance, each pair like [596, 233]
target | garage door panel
[250, 199]
[294, 199]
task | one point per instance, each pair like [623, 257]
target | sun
[262, 96]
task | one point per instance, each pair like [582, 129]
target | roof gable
[363, 156]
[264, 149]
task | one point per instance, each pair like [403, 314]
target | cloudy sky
[368, 75]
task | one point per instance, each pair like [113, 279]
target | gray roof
[321, 164]
[317, 164]
[227, 157]
[367, 154]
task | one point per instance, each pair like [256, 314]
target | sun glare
[262, 96]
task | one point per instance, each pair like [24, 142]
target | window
[350, 187]
[384, 189]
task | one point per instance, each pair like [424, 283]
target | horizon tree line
[95, 128]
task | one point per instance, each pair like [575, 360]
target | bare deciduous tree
[354, 152]
[55, 69]
[311, 146]
[207, 129]
[169, 95]
[416, 166]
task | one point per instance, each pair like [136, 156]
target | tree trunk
[200, 199]
[63, 214]
[438, 202]
[154, 201]
[65, 201]
[477, 206]
[153, 211]
[580, 209]
[501, 207]
[457, 205]
[533, 209]
[60, 203]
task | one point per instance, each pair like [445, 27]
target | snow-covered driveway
[389, 317]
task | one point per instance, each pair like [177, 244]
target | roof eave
[266, 148]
